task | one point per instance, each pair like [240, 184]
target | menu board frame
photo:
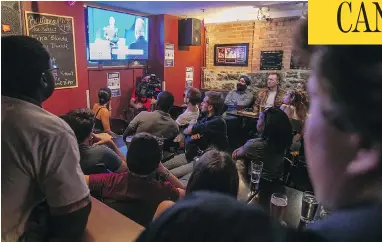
[26, 13]
[271, 60]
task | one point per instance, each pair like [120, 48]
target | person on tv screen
[140, 43]
[110, 32]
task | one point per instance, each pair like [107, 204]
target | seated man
[138, 192]
[272, 96]
[241, 97]
[158, 123]
[211, 130]
[192, 98]
[92, 154]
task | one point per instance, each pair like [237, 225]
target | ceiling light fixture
[264, 13]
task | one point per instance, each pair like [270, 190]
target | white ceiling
[212, 11]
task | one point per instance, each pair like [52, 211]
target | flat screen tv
[116, 36]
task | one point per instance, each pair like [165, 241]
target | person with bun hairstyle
[102, 111]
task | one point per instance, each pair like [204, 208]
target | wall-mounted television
[115, 35]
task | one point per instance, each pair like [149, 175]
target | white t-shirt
[40, 159]
[188, 117]
[271, 99]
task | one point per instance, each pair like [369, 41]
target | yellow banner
[345, 22]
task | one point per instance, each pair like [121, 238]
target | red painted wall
[98, 79]
[163, 29]
[64, 100]
[192, 56]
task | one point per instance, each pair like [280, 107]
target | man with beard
[241, 97]
[209, 131]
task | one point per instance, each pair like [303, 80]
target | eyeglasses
[54, 72]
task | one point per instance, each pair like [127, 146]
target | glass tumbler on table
[309, 207]
[278, 205]
[255, 169]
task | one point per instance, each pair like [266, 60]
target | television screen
[116, 36]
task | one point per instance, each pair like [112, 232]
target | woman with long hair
[293, 106]
[215, 171]
[270, 148]
[102, 111]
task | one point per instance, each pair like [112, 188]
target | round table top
[293, 211]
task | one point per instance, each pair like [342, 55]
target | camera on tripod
[150, 88]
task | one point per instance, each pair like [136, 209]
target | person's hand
[195, 136]
[153, 101]
[139, 105]
[161, 168]
[103, 138]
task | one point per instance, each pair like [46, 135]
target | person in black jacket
[210, 130]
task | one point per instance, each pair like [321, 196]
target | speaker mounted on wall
[11, 18]
[189, 32]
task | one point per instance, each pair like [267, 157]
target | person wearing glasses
[40, 166]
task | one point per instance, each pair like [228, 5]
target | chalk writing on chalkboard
[56, 33]
[271, 60]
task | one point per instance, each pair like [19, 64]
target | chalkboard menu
[56, 33]
[271, 60]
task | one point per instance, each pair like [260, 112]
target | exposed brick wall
[261, 36]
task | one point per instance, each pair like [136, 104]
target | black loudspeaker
[11, 19]
[189, 32]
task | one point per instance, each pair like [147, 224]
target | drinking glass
[278, 205]
[256, 169]
[309, 207]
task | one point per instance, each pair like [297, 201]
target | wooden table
[293, 210]
[106, 224]
[243, 114]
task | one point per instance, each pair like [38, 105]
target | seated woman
[293, 106]
[276, 138]
[102, 111]
[138, 192]
[215, 171]
[296, 110]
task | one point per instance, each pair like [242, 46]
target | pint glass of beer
[309, 207]
[278, 204]
[256, 169]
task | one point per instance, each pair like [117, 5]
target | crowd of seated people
[49, 160]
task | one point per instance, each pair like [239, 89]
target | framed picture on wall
[231, 54]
